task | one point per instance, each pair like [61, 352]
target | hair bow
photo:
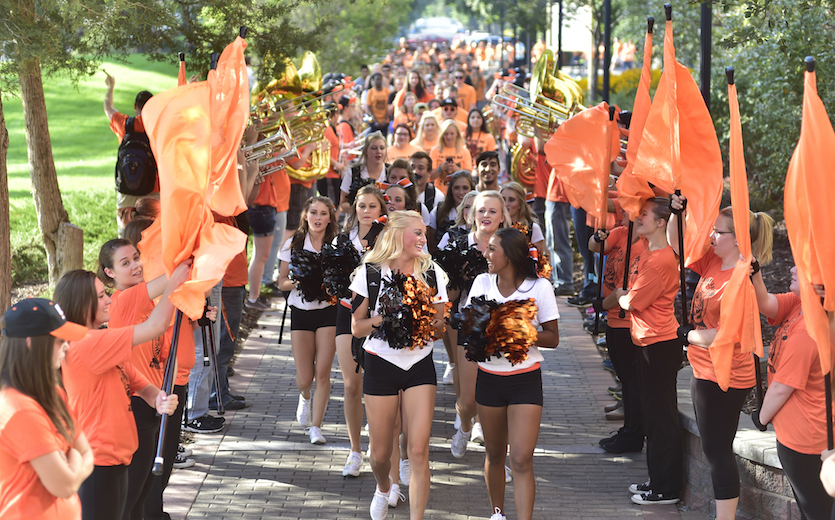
[387, 199]
[529, 198]
[533, 254]
[403, 183]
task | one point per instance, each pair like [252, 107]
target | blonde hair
[390, 245]
[760, 228]
[459, 217]
[459, 141]
[489, 194]
[420, 137]
[526, 215]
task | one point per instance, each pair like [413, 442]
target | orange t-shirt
[460, 116]
[466, 97]
[543, 175]
[426, 146]
[793, 360]
[705, 314]
[426, 98]
[99, 380]
[481, 142]
[185, 349]
[652, 293]
[266, 192]
[281, 186]
[378, 103]
[132, 307]
[393, 153]
[613, 272]
[405, 119]
[333, 139]
[26, 433]
[236, 272]
[297, 164]
[345, 131]
[462, 160]
[556, 190]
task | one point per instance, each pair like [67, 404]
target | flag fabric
[633, 192]
[581, 152]
[679, 150]
[809, 207]
[739, 312]
[181, 127]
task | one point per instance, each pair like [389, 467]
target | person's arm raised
[160, 319]
[109, 110]
[677, 204]
[766, 301]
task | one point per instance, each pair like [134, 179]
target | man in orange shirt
[449, 110]
[376, 104]
[466, 93]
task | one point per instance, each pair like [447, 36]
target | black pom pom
[338, 262]
[476, 318]
[306, 271]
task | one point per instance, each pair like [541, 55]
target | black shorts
[298, 196]
[261, 220]
[384, 378]
[343, 319]
[501, 391]
[301, 319]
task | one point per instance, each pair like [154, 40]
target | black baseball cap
[38, 317]
[449, 102]
[485, 156]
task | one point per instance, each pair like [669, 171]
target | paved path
[263, 466]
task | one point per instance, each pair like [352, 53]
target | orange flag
[809, 199]
[581, 152]
[633, 192]
[739, 315]
[679, 150]
[180, 126]
[181, 74]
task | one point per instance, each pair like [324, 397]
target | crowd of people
[417, 233]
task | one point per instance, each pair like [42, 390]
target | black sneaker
[578, 301]
[181, 462]
[205, 424]
[620, 445]
[640, 488]
[234, 404]
[649, 499]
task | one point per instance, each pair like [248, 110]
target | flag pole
[602, 223]
[167, 387]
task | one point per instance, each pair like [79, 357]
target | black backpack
[136, 168]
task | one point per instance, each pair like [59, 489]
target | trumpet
[275, 163]
[532, 115]
[267, 146]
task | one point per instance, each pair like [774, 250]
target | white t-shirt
[439, 198]
[536, 234]
[542, 292]
[348, 178]
[295, 299]
[433, 217]
[402, 358]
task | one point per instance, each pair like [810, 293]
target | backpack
[429, 197]
[374, 276]
[136, 168]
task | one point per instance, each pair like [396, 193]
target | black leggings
[717, 414]
[103, 494]
[140, 477]
[803, 472]
[153, 503]
[624, 355]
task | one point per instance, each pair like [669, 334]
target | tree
[5, 231]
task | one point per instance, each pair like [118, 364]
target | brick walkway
[263, 466]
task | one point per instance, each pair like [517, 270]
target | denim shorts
[261, 220]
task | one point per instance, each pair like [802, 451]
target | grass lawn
[85, 156]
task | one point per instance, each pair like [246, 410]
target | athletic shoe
[395, 495]
[405, 471]
[577, 301]
[353, 465]
[610, 407]
[234, 404]
[316, 436]
[621, 446]
[564, 290]
[508, 475]
[185, 452]
[458, 444]
[257, 305]
[448, 371]
[303, 411]
[181, 462]
[379, 505]
[498, 515]
[618, 388]
[651, 499]
[616, 414]
[607, 364]
[640, 488]
[477, 434]
[205, 424]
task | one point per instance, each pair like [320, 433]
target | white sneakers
[458, 444]
[316, 436]
[379, 505]
[395, 495]
[353, 465]
[448, 371]
[303, 411]
[477, 434]
[498, 515]
[405, 472]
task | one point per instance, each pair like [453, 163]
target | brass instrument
[523, 166]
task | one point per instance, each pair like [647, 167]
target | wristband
[755, 418]
[682, 333]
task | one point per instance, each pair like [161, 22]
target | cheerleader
[368, 206]
[717, 411]
[796, 398]
[390, 371]
[44, 454]
[509, 396]
[100, 379]
[443, 216]
[521, 214]
[650, 300]
[487, 215]
[370, 165]
[313, 317]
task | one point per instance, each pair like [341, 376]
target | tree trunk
[45, 191]
[5, 229]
